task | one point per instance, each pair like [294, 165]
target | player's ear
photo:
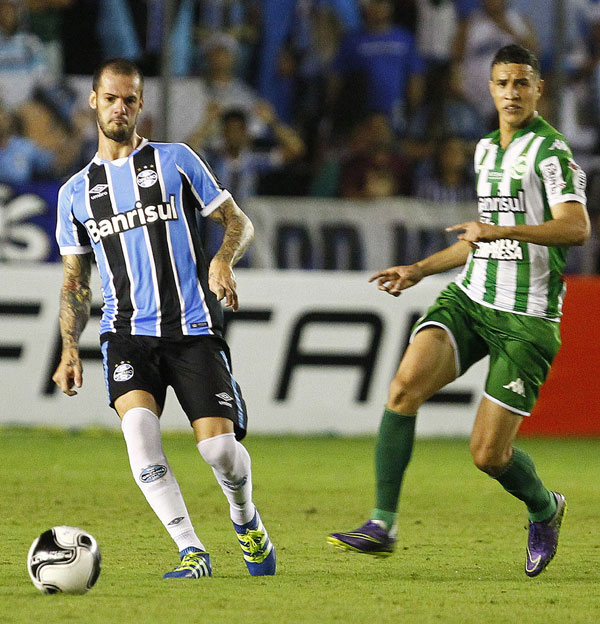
[540, 87]
[93, 99]
[141, 101]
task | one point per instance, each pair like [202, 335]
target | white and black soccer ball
[64, 559]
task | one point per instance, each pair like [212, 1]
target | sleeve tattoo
[239, 231]
[75, 299]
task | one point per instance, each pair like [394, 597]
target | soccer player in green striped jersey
[505, 303]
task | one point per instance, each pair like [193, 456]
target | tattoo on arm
[75, 299]
[238, 231]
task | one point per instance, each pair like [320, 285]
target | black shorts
[198, 368]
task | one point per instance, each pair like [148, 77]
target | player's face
[118, 102]
[516, 90]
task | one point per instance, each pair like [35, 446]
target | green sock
[392, 454]
[521, 480]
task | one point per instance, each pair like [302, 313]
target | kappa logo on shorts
[517, 386]
[123, 372]
[225, 399]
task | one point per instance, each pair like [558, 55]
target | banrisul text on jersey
[518, 186]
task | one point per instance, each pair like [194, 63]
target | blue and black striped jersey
[139, 216]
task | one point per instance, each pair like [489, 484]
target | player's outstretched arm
[238, 234]
[570, 225]
[398, 278]
[75, 302]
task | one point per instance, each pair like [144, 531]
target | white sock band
[152, 473]
[232, 466]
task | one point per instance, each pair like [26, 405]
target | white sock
[152, 473]
[231, 464]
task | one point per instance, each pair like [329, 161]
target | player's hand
[69, 373]
[397, 278]
[221, 281]
[474, 232]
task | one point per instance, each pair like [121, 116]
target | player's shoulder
[75, 182]
[553, 142]
[491, 137]
[181, 152]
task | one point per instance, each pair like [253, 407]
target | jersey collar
[119, 162]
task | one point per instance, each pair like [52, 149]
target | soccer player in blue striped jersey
[135, 208]
[506, 303]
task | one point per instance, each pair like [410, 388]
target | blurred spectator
[478, 38]
[50, 127]
[46, 22]
[23, 62]
[287, 22]
[448, 175]
[235, 162]
[374, 168]
[445, 111]
[580, 103]
[437, 22]
[21, 160]
[238, 18]
[378, 69]
[223, 88]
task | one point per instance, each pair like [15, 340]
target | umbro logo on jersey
[139, 216]
[517, 386]
[98, 188]
[98, 191]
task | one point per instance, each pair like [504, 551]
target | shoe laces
[190, 561]
[252, 541]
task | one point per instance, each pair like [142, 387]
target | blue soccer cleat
[543, 539]
[369, 539]
[195, 563]
[259, 552]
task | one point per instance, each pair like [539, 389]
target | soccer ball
[64, 559]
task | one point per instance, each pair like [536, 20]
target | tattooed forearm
[75, 299]
[239, 231]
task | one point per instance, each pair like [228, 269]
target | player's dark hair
[515, 53]
[119, 66]
[234, 114]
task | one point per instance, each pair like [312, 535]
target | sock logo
[235, 485]
[153, 473]
[175, 521]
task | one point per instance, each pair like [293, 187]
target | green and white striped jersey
[517, 186]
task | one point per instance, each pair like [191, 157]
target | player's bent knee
[220, 452]
[489, 460]
[404, 397]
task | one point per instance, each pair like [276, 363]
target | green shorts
[521, 348]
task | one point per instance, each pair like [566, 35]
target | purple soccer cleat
[543, 539]
[369, 539]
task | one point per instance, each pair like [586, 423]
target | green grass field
[460, 556]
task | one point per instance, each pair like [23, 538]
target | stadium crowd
[325, 98]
